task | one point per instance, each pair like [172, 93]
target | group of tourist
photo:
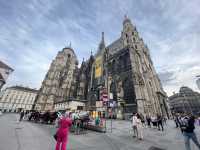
[137, 126]
[185, 122]
[139, 122]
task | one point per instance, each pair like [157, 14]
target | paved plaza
[31, 136]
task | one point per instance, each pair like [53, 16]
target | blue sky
[33, 31]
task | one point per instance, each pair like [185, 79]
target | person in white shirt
[134, 125]
[139, 127]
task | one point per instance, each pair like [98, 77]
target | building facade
[5, 71]
[128, 73]
[124, 70]
[59, 82]
[17, 98]
[186, 100]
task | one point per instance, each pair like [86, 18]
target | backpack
[184, 123]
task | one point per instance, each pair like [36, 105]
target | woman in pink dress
[63, 131]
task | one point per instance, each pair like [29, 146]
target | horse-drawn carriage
[45, 117]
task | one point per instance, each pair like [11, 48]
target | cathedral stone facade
[59, 83]
[123, 68]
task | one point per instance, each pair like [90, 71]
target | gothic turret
[129, 33]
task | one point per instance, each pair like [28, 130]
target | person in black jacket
[160, 122]
[21, 115]
[188, 132]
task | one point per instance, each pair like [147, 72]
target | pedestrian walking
[139, 127]
[21, 116]
[164, 120]
[176, 120]
[142, 120]
[134, 125]
[63, 131]
[148, 119]
[187, 128]
[154, 121]
[160, 122]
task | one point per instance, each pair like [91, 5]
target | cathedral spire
[102, 37]
[126, 20]
[91, 53]
[101, 44]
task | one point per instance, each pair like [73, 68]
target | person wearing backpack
[187, 128]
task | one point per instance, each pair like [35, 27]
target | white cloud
[35, 31]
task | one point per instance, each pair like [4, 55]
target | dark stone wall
[120, 70]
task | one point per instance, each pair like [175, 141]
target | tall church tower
[134, 83]
[150, 97]
[58, 85]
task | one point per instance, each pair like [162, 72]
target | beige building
[69, 105]
[16, 98]
[186, 100]
[5, 71]
[59, 83]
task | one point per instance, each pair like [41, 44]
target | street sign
[104, 95]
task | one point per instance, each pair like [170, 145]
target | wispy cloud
[32, 32]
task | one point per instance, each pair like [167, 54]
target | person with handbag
[187, 127]
[62, 133]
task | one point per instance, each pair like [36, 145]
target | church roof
[23, 88]
[101, 46]
[3, 65]
[1, 78]
[115, 46]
